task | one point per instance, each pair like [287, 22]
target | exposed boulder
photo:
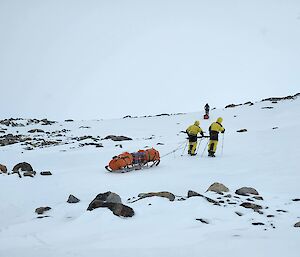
[205, 221]
[41, 210]
[117, 138]
[253, 206]
[111, 201]
[218, 188]
[46, 173]
[194, 194]
[246, 191]
[23, 166]
[36, 131]
[258, 223]
[29, 174]
[242, 130]
[297, 225]
[232, 105]
[73, 199]
[3, 168]
[163, 194]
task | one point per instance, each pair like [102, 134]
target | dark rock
[275, 128]
[36, 131]
[250, 200]
[203, 221]
[253, 206]
[194, 194]
[239, 213]
[46, 173]
[267, 107]
[127, 116]
[29, 174]
[232, 105]
[162, 114]
[41, 210]
[119, 145]
[163, 194]
[23, 166]
[296, 200]
[297, 225]
[258, 224]
[42, 217]
[218, 188]
[69, 120]
[3, 169]
[246, 191]
[228, 196]
[73, 199]
[282, 211]
[117, 138]
[258, 198]
[249, 103]
[270, 216]
[160, 144]
[104, 197]
[242, 130]
[277, 99]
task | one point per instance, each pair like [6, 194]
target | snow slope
[263, 158]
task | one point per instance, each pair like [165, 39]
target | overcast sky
[105, 59]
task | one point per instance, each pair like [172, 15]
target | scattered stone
[258, 224]
[242, 130]
[41, 210]
[160, 144]
[73, 199]
[119, 145]
[275, 128]
[193, 194]
[246, 191]
[228, 196]
[281, 211]
[104, 197]
[36, 131]
[253, 206]
[297, 225]
[232, 105]
[23, 166]
[221, 201]
[29, 174]
[277, 99]
[162, 114]
[296, 200]
[41, 217]
[232, 203]
[250, 200]
[3, 168]
[218, 188]
[205, 221]
[270, 216]
[258, 198]
[46, 173]
[249, 103]
[117, 138]
[239, 213]
[163, 194]
[267, 107]
[274, 102]
[69, 120]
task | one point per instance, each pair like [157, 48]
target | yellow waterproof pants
[212, 146]
[192, 147]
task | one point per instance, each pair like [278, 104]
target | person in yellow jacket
[214, 130]
[192, 132]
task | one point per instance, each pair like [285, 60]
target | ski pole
[204, 149]
[184, 148]
[199, 145]
[222, 145]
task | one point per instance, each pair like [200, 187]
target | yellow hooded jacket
[194, 129]
[215, 128]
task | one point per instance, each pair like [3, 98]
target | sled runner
[134, 161]
[206, 117]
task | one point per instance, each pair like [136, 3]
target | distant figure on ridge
[206, 115]
[192, 132]
[214, 130]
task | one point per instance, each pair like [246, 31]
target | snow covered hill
[266, 157]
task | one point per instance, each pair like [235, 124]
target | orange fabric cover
[121, 161]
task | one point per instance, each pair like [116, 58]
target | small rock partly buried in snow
[163, 194]
[41, 210]
[3, 169]
[257, 197]
[242, 130]
[253, 206]
[193, 194]
[205, 221]
[29, 174]
[239, 213]
[23, 166]
[73, 199]
[36, 131]
[41, 217]
[246, 191]
[296, 200]
[258, 224]
[267, 107]
[270, 216]
[281, 211]
[117, 138]
[46, 173]
[275, 128]
[297, 225]
[218, 188]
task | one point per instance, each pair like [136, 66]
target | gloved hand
[223, 131]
